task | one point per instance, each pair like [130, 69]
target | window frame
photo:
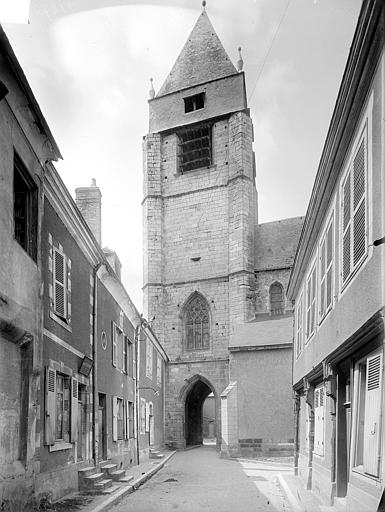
[64, 318]
[363, 134]
[322, 277]
[319, 390]
[299, 324]
[31, 205]
[193, 100]
[193, 347]
[313, 270]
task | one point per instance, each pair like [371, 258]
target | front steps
[103, 480]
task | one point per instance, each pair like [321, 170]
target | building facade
[200, 245]
[338, 288]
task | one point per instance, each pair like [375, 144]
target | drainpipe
[297, 410]
[95, 407]
[137, 399]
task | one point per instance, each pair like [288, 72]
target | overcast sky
[89, 63]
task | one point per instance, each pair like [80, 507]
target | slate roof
[202, 59]
[275, 331]
[276, 243]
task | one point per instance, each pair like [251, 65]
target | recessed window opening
[25, 209]
[197, 325]
[195, 102]
[195, 148]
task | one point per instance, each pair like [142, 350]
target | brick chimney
[89, 202]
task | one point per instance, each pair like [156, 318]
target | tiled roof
[202, 59]
[276, 243]
[275, 331]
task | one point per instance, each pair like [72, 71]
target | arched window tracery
[197, 324]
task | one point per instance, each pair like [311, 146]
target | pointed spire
[240, 61]
[204, 5]
[151, 92]
[202, 59]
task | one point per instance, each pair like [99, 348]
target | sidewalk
[102, 503]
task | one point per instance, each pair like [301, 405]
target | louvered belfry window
[197, 324]
[195, 149]
[354, 211]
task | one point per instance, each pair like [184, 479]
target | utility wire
[270, 47]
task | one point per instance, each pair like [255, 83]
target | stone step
[118, 474]
[87, 471]
[90, 481]
[126, 479]
[108, 468]
[156, 455]
[110, 490]
[103, 484]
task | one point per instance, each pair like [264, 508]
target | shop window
[319, 420]
[197, 325]
[195, 149]
[25, 212]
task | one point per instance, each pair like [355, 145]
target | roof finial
[204, 4]
[240, 61]
[151, 92]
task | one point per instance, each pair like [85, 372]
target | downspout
[95, 396]
[297, 411]
[137, 400]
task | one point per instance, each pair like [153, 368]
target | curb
[125, 491]
[294, 503]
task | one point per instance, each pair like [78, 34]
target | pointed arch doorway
[197, 391]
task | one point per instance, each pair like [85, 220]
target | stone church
[214, 278]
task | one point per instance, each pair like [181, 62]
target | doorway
[194, 418]
[102, 445]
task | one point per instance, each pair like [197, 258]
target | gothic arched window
[197, 324]
[277, 304]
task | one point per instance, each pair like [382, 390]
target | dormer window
[194, 148]
[195, 102]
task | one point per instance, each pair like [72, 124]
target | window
[197, 324]
[59, 272]
[131, 420]
[119, 348]
[130, 358]
[142, 415]
[354, 211]
[367, 414]
[195, 148]
[120, 418]
[319, 421]
[299, 325]
[311, 302]
[25, 208]
[159, 371]
[149, 363]
[277, 306]
[61, 407]
[195, 102]
[326, 271]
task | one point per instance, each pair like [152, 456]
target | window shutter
[346, 222]
[114, 418]
[113, 336]
[74, 410]
[372, 415]
[59, 277]
[50, 406]
[147, 427]
[127, 404]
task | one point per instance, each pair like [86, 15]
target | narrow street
[198, 479]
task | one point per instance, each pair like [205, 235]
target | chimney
[89, 202]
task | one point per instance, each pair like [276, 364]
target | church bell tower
[199, 217]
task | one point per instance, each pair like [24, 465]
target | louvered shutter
[372, 415]
[59, 282]
[113, 336]
[74, 410]
[359, 204]
[114, 418]
[50, 406]
[329, 265]
[322, 278]
[127, 404]
[147, 427]
[346, 223]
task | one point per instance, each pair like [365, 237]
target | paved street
[198, 479]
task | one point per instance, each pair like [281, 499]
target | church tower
[199, 219]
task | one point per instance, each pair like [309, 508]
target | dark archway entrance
[194, 412]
